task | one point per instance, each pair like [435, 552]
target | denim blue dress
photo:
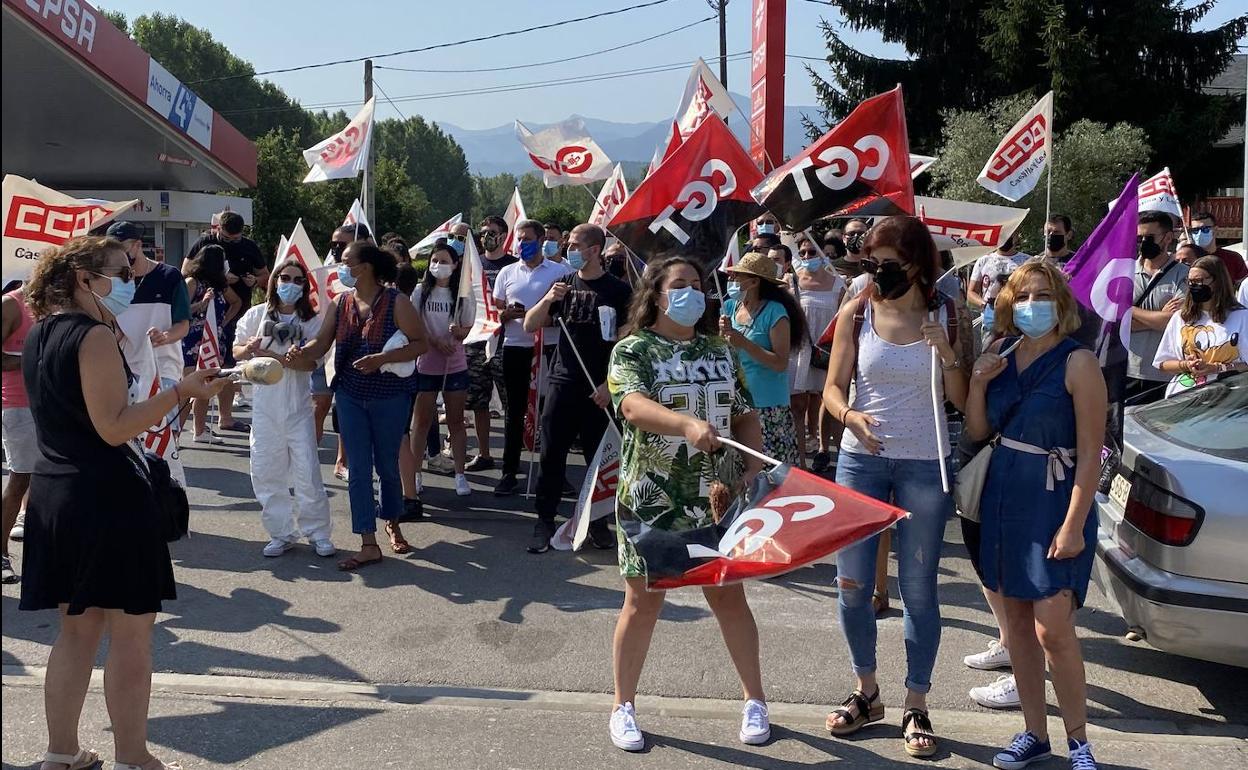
[1020, 515]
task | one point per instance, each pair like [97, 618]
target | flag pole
[589, 378]
[938, 412]
[746, 450]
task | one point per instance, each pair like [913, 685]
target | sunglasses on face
[1203, 229]
[810, 253]
[459, 238]
[126, 274]
[871, 266]
[1198, 283]
[337, 247]
[298, 280]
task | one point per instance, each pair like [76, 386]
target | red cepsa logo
[34, 220]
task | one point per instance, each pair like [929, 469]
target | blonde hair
[1068, 320]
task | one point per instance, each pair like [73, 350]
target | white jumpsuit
[283, 440]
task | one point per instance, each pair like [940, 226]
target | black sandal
[920, 719]
[869, 710]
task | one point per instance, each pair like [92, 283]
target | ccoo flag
[443, 230]
[1014, 167]
[299, 248]
[565, 153]
[968, 230]
[694, 202]
[343, 155]
[861, 167]
[610, 198]
[704, 96]
[1157, 194]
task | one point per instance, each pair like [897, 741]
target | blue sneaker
[1081, 755]
[1024, 749]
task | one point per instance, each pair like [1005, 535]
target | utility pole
[367, 203]
[721, 6]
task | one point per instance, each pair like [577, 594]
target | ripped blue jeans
[915, 486]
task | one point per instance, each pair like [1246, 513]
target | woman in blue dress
[1047, 402]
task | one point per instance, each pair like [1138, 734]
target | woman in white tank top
[890, 453]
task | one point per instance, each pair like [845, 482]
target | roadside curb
[348, 694]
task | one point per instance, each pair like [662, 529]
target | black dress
[92, 530]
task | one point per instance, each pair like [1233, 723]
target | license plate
[1120, 490]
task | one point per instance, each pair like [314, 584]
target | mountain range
[496, 150]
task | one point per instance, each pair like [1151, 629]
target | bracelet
[845, 414]
[950, 367]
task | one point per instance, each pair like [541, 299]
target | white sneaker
[441, 464]
[19, 527]
[625, 733]
[277, 547]
[461, 485]
[323, 547]
[208, 437]
[996, 656]
[755, 726]
[1001, 694]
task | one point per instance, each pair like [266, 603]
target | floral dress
[664, 482]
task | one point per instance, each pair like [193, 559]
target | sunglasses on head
[298, 280]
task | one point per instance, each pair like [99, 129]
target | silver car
[1173, 540]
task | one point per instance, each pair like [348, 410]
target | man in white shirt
[990, 273]
[520, 286]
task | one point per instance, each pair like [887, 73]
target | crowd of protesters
[387, 358]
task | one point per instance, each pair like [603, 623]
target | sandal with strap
[868, 710]
[398, 543]
[80, 761]
[148, 765]
[352, 563]
[920, 719]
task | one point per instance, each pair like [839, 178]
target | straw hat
[758, 265]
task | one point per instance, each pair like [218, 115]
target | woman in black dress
[94, 548]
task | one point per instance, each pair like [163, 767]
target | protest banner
[1015, 166]
[565, 153]
[343, 155]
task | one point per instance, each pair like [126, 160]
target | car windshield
[1212, 418]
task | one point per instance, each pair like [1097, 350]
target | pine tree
[1109, 61]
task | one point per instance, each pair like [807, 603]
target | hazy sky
[285, 33]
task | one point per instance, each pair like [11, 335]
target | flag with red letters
[209, 351]
[861, 167]
[343, 155]
[1015, 166]
[597, 498]
[532, 403]
[612, 195]
[299, 248]
[1157, 194]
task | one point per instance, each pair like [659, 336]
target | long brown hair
[913, 243]
[303, 305]
[56, 274]
[1223, 301]
[645, 308]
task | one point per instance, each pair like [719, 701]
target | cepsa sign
[33, 220]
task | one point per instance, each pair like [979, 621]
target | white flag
[732, 255]
[613, 194]
[356, 216]
[1157, 194]
[597, 498]
[299, 248]
[969, 230]
[704, 96]
[515, 213]
[343, 155]
[920, 163]
[474, 287]
[1014, 167]
[565, 153]
[441, 231]
[38, 219]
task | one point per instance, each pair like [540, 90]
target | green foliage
[1092, 162]
[563, 216]
[431, 159]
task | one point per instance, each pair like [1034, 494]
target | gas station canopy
[86, 107]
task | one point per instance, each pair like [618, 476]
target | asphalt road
[469, 608]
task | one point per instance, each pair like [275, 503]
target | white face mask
[441, 270]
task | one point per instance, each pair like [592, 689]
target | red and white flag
[38, 219]
[209, 353]
[1157, 194]
[704, 96]
[343, 155]
[474, 287]
[969, 230]
[565, 153]
[532, 408]
[920, 163]
[1015, 166]
[597, 498]
[299, 248]
[441, 231]
[514, 214]
[610, 198]
[356, 216]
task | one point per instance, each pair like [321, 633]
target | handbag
[968, 487]
[820, 358]
[173, 509]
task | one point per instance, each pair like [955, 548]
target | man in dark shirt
[850, 266]
[593, 304]
[486, 375]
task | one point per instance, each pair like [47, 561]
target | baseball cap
[125, 231]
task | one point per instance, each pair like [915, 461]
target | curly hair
[56, 274]
[645, 308]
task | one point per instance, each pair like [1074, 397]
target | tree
[1091, 163]
[1108, 61]
[432, 159]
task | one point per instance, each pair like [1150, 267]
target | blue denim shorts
[320, 386]
[432, 383]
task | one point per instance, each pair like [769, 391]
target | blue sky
[285, 33]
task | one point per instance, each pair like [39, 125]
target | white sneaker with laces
[461, 485]
[208, 437]
[1001, 694]
[996, 656]
[277, 547]
[19, 527]
[625, 733]
[324, 547]
[755, 726]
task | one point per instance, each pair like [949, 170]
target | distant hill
[493, 151]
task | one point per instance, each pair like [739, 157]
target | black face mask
[853, 242]
[892, 280]
[1200, 292]
[491, 241]
[1056, 242]
[1148, 246]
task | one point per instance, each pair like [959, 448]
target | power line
[392, 104]
[551, 61]
[495, 36]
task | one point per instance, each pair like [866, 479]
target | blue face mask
[289, 293]
[989, 316]
[685, 305]
[527, 250]
[734, 290]
[1035, 318]
[345, 277]
[457, 245]
[811, 265]
[766, 229]
[1201, 238]
[119, 297]
[576, 260]
[550, 248]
